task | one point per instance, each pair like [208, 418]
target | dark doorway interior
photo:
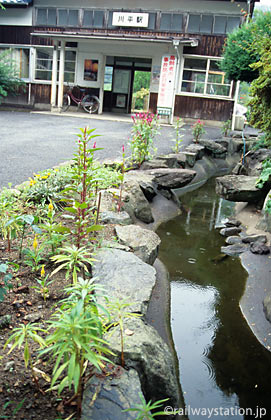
[119, 81]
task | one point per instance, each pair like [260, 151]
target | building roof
[16, 3]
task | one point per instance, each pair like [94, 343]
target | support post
[54, 76]
[61, 75]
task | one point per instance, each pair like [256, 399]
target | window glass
[108, 77]
[73, 17]
[152, 20]
[20, 58]
[87, 18]
[177, 22]
[233, 22]
[44, 61]
[51, 16]
[41, 17]
[206, 24]
[165, 23]
[195, 63]
[63, 17]
[194, 23]
[98, 19]
[220, 24]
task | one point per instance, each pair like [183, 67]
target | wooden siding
[210, 45]
[204, 108]
[41, 93]
[192, 107]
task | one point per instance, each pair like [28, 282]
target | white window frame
[47, 82]
[206, 71]
[20, 47]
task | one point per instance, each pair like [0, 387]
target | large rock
[197, 149]
[137, 205]
[172, 178]
[106, 396]
[247, 239]
[214, 149]
[119, 218]
[230, 231]
[259, 247]
[238, 188]
[144, 180]
[234, 250]
[145, 243]
[267, 306]
[125, 276]
[146, 351]
[163, 161]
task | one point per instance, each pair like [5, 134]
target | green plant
[52, 235]
[34, 256]
[23, 335]
[5, 281]
[144, 409]
[265, 173]
[10, 81]
[76, 339]
[145, 128]
[179, 137]
[226, 127]
[15, 410]
[121, 178]
[80, 194]
[43, 284]
[119, 312]
[73, 260]
[24, 221]
[198, 131]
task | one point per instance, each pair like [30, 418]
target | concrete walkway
[34, 141]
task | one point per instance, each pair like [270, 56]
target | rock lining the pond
[230, 231]
[216, 150]
[147, 353]
[235, 249]
[172, 178]
[231, 240]
[239, 188]
[112, 217]
[247, 239]
[144, 243]
[124, 275]
[259, 247]
[267, 306]
[105, 397]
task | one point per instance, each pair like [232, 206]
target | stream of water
[222, 365]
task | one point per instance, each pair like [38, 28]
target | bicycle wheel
[66, 102]
[90, 104]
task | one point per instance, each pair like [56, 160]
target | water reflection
[221, 363]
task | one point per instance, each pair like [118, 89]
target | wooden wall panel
[153, 102]
[41, 93]
[211, 45]
[203, 108]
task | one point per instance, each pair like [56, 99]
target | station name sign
[139, 20]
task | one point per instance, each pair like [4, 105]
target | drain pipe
[176, 45]
[244, 142]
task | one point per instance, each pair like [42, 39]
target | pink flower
[123, 148]
[94, 145]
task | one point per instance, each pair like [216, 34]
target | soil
[20, 397]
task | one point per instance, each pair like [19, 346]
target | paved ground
[30, 142]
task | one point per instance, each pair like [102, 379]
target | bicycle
[90, 103]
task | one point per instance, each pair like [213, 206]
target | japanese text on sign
[167, 80]
[139, 20]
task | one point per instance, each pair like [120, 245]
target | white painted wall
[169, 5]
[16, 16]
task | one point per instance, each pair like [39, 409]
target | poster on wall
[121, 101]
[91, 70]
[167, 81]
[156, 70]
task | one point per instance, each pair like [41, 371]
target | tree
[9, 78]
[260, 103]
[240, 49]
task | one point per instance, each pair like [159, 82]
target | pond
[222, 365]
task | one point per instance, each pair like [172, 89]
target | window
[20, 58]
[171, 22]
[44, 65]
[203, 76]
[91, 70]
[212, 24]
[57, 17]
[93, 19]
[108, 78]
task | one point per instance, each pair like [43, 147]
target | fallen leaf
[128, 332]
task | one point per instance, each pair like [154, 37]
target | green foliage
[226, 127]
[241, 49]
[119, 312]
[179, 137]
[23, 336]
[10, 81]
[144, 130]
[260, 103]
[198, 130]
[265, 173]
[73, 260]
[5, 278]
[15, 410]
[43, 284]
[144, 409]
